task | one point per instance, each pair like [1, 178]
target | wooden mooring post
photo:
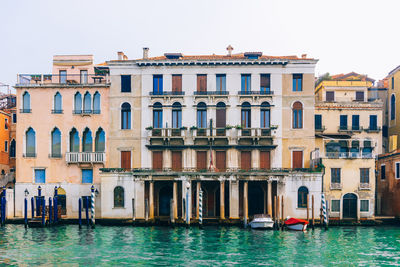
[312, 212]
[283, 216]
[308, 206]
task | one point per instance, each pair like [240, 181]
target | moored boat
[262, 221]
[296, 224]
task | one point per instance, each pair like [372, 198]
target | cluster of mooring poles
[3, 205]
[86, 203]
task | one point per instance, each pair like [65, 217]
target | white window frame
[33, 175]
[367, 205]
[332, 205]
[291, 157]
[396, 174]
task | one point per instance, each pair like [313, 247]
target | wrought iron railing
[63, 79]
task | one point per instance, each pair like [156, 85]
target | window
[157, 115]
[73, 141]
[383, 172]
[157, 84]
[201, 83]
[221, 118]
[6, 146]
[221, 82]
[392, 107]
[201, 115]
[335, 205]
[364, 175]
[355, 122]
[26, 103]
[157, 160]
[318, 121]
[246, 115]
[40, 176]
[359, 96]
[265, 115]
[176, 83]
[6, 124]
[87, 103]
[297, 157]
[125, 116]
[119, 197]
[176, 115]
[177, 160]
[96, 103]
[87, 176]
[330, 96]
[126, 160]
[100, 141]
[63, 76]
[14, 118]
[56, 143]
[265, 83]
[86, 202]
[57, 103]
[392, 82]
[302, 196]
[335, 175]
[297, 82]
[343, 122]
[84, 76]
[245, 160]
[265, 160]
[78, 103]
[87, 141]
[373, 122]
[364, 205]
[220, 160]
[201, 160]
[397, 170]
[12, 149]
[30, 143]
[297, 115]
[125, 83]
[246, 83]
[367, 149]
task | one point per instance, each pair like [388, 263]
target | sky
[361, 36]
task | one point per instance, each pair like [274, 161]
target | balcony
[33, 80]
[167, 93]
[166, 132]
[86, 112]
[372, 129]
[349, 155]
[255, 132]
[85, 157]
[364, 186]
[320, 129]
[25, 110]
[345, 128]
[211, 93]
[29, 155]
[255, 93]
[57, 111]
[336, 186]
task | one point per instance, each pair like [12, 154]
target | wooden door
[245, 160]
[201, 160]
[297, 159]
[157, 160]
[176, 83]
[221, 161]
[201, 83]
[126, 160]
[265, 160]
[176, 160]
[350, 206]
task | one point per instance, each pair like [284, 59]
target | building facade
[393, 102]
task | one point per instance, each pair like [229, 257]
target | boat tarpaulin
[292, 221]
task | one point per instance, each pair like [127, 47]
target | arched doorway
[350, 206]
[62, 200]
[164, 199]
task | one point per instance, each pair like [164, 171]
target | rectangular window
[335, 175]
[297, 157]
[383, 172]
[157, 84]
[176, 83]
[6, 146]
[84, 76]
[201, 83]
[297, 82]
[265, 83]
[245, 160]
[87, 176]
[330, 96]
[221, 82]
[318, 121]
[364, 175]
[177, 160]
[355, 122]
[126, 160]
[6, 124]
[220, 161]
[246, 83]
[343, 122]
[397, 165]
[157, 160]
[14, 118]
[359, 96]
[335, 205]
[392, 82]
[265, 160]
[63, 76]
[364, 205]
[86, 202]
[201, 161]
[373, 122]
[40, 176]
[125, 83]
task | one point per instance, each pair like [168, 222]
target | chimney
[304, 56]
[229, 48]
[145, 52]
[120, 55]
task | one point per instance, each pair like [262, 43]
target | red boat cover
[295, 221]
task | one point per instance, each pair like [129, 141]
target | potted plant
[193, 128]
[149, 128]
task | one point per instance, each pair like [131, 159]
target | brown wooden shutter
[265, 80]
[201, 160]
[176, 160]
[245, 160]
[221, 118]
[176, 83]
[297, 159]
[330, 96]
[126, 159]
[201, 83]
[157, 160]
[265, 160]
[221, 160]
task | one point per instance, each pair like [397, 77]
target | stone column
[175, 198]
[197, 199]
[245, 200]
[151, 200]
[222, 200]
[269, 198]
[234, 200]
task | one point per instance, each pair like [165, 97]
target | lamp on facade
[26, 192]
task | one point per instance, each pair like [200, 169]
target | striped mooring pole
[201, 207]
[324, 210]
[92, 207]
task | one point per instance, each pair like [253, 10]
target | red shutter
[221, 118]
[297, 159]
[177, 83]
[201, 160]
[157, 160]
[176, 160]
[221, 161]
[265, 160]
[245, 160]
[125, 159]
[201, 83]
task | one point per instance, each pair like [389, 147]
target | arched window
[100, 141]
[176, 115]
[87, 103]
[302, 196]
[78, 103]
[96, 103]
[246, 115]
[297, 115]
[125, 116]
[392, 107]
[201, 115]
[157, 115]
[12, 149]
[87, 141]
[26, 103]
[119, 197]
[265, 115]
[73, 141]
[57, 103]
[221, 115]
[56, 143]
[30, 143]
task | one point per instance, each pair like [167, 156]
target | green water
[66, 245]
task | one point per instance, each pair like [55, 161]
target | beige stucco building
[394, 102]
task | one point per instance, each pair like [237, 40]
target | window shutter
[245, 160]
[221, 160]
[157, 160]
[201, 160]
[177, 83]
[297, 159]
[265, 160]
[176, 160]
[265, 81]
[221, 118]
[126, 159]
[201, 83]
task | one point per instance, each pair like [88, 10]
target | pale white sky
[352, 35]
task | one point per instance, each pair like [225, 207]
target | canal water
[106, 245]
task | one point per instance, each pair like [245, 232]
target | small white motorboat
[296, 224]
[262, 221]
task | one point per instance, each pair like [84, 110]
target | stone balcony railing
[85, 157]
[61, 79]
